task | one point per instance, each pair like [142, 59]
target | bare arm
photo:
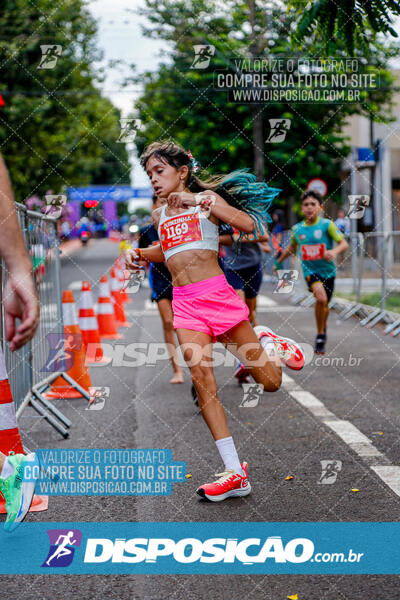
[332, 254]
[219, 208]
[262, 237]
[135, 259]
[225, 240]
[19, 295]
[291, 249]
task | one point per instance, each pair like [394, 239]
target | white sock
[7, 469]
[227, 450]
[270, 348]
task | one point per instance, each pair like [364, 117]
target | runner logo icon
[251, 394]
[62, 547]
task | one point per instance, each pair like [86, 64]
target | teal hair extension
[247, 194]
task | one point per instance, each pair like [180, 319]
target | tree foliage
[56, 128]
[181, 103]
[351, 20]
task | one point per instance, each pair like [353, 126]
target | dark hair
[311, 194]
[278, 212]
[239, 188]
[154, 198]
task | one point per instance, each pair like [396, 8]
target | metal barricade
[26, 366]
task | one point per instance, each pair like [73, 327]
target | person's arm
[134, 258]
[261, 237]
[337, 237]
[219, 208]
[19, 294]
[291, 249]
[225, 240]
[265, 247]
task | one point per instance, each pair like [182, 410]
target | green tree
[353, 20]
[182, 103]
[56, 128]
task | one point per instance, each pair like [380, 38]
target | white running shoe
[288, 350]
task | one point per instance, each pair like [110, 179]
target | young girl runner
[205, 307]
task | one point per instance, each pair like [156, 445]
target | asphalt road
[282, 436]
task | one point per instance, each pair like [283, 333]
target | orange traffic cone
[89, 328]
[118, 303]
[121, 278]
[78, 371]
[105, 312]
[10, 440]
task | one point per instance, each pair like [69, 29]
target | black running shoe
[320, 341]
[194, 395]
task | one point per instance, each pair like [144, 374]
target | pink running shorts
[211, 306]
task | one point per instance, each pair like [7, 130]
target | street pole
[353, 222]
[383, 242]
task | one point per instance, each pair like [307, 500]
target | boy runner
[314, 237]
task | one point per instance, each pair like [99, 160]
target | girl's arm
[219, 208]
[150, 254]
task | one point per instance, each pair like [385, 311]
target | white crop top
[189, 230]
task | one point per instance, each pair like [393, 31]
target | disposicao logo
[62, 547]
[190, 550]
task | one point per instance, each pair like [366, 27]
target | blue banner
[118, 193]
[105, 472]
[201, 548]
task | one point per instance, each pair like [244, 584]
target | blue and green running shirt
[312, 241]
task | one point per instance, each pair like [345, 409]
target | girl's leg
[167, 317]
[246, 346]
[196, 348]
[252, 304]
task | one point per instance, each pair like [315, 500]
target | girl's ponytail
[239, 188]
[247, 194]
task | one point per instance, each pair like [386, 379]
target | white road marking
[390, 475]
[265, 301]
[309, 401]
[348, 433]
[353, 438]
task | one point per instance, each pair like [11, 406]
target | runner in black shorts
[314, 239]
[327, 282]
[243, 269]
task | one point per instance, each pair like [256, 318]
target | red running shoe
[242, 374]
[228, 484]
[288, 350]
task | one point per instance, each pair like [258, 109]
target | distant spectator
[342, 222]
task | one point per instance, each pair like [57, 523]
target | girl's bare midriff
[190, 266]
